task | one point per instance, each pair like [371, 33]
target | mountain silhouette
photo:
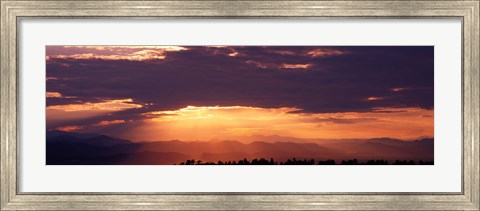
[65, 148]
[99, 140]
[55, 133]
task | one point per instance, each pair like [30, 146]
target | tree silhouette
[350, 162]
[294, 161]
[377, 162]
[326, 162]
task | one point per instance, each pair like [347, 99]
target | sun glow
[219, 113]
[235, 122]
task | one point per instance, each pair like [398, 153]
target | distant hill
[99, 140]
[55, 133]
[93, 149]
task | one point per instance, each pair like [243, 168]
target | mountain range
[67, 148]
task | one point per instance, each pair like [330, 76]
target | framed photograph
[239, 105]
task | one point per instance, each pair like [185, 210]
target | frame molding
[11, 11]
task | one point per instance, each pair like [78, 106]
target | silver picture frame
[12, 11]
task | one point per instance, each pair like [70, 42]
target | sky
[204, 93]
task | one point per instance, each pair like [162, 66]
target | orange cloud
[132, 53]
[51, 78]
[398, 89]
[108, 105]
[57, 95]
[284, 52]
[113, 122]
[233, 54]
[295, 66]
[69, 128]
[53, 95]
[123, 48]
[312, 53]
[60, 114]
[279, 66]
[374, 98]
[218, 112]
[223, 50]
[324, 52]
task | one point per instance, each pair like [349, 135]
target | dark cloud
[203, 76]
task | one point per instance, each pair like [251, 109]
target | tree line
[294, 161]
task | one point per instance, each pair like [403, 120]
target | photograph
[239, 105]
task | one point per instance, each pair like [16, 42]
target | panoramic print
[239, 105]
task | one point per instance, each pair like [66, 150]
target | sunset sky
[189, 93]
